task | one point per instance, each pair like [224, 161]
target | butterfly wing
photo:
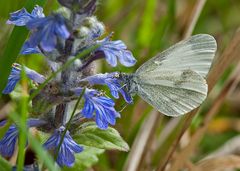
[195, 53]
[173, 93]
[173, 81]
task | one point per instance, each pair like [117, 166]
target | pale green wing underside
[173, 81]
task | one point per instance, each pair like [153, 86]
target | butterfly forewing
[195, 53]
[173, 81]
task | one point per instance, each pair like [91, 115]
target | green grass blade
[147, 25]
[5, 165]
[23, 119]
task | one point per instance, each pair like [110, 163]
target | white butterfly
[174, 81]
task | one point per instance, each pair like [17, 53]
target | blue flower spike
[114, 50]
[113, 82]
[15, 76]
[102, 106]
[68, 147]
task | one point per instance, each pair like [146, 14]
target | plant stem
[69, 122]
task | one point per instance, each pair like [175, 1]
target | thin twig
[140, 142]
[220, 163]
[6, 109]
[232, 146]
[194, 18]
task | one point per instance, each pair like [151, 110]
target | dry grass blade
[219, 163]
[5, 110]
[141, 141]
[232, 146]
[230, 55]
[194, 18]
[187, 151]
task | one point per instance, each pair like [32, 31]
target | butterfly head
[129, 83]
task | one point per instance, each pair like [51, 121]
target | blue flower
[113, 82]
[8, 142]
[116, 49]
[22, 17]
[103, 107]
[28, 49]
[13, 79]
[68, 147]
[15, 76]
[46, 31]
[96, 28]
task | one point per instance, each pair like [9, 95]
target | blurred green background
[148, 27]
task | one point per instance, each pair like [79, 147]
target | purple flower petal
[14, 77]
[22, 17]
[113, 82]
[68, 147]
[47, 30]
[19, 18]
[28, 49]
[102, 106]
[8, 142]
[37, 12]
[114, 50]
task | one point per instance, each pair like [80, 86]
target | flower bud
[96, 27]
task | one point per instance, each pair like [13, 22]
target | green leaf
[90, 135]
[4, 165]
[85, 159]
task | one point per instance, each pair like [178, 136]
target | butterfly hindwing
[173, 93]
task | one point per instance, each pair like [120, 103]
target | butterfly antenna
[124, 85]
